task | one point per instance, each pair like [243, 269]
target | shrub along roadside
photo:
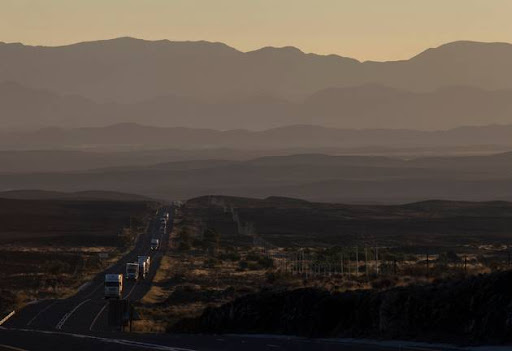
[473, 310]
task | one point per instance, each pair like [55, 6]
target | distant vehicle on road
[113, 286]
[144, 262]
[132, 271]
[155, 244]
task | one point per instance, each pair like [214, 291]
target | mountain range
[211, 85]
[313, 177]
[134, 136]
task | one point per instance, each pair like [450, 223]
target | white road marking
[40, 312]
[106, 340]
[83, 286]
[97, 316]
[67, 315]
[92, 292]
[11, 347]
[7, 317]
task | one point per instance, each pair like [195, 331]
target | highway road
[80, 322]
[86, 311]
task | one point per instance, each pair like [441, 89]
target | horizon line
[135, 124]
[254, 50]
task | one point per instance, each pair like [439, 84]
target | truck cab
[113, 286]
[132, 271]
[155, 244]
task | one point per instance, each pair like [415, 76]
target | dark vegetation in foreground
[322, 279]
[472, 310]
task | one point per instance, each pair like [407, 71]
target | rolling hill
[311, 177]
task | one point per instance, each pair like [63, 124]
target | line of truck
[134, 270]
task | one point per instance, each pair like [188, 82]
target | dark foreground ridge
[476, 310]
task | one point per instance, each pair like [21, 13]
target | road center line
[97, 316]
[42, 311]
[92, 292]
[67, 315]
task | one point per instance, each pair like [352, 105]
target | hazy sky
[364, 29]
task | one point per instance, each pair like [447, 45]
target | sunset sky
[363, 29]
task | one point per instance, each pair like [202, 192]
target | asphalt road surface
[81, 321]
[57, 341]
[86, 311]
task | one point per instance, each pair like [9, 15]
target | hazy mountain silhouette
[80, 195]
[368, 106]
[307, 137]
[314, 177]
[127, 69]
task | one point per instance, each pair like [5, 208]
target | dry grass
[184, 286]
[148, 326]
[189, 281]
[158, 292]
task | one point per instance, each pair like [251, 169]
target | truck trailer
[113, 286]
[144, 262]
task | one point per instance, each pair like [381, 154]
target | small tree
[212, 240]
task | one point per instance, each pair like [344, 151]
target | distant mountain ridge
[367, 106]
[307, 137]
[212, 85]
[79, 195]
[127, 69]
[312, 177]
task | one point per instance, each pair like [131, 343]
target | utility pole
[428, 272]
[357, 261]
[366, 262]
[377, 258]
[307, 267]
[348, 265]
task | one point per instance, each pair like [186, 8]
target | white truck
[155, 244]
[113, 286]
[144, 262]
[132, 271]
